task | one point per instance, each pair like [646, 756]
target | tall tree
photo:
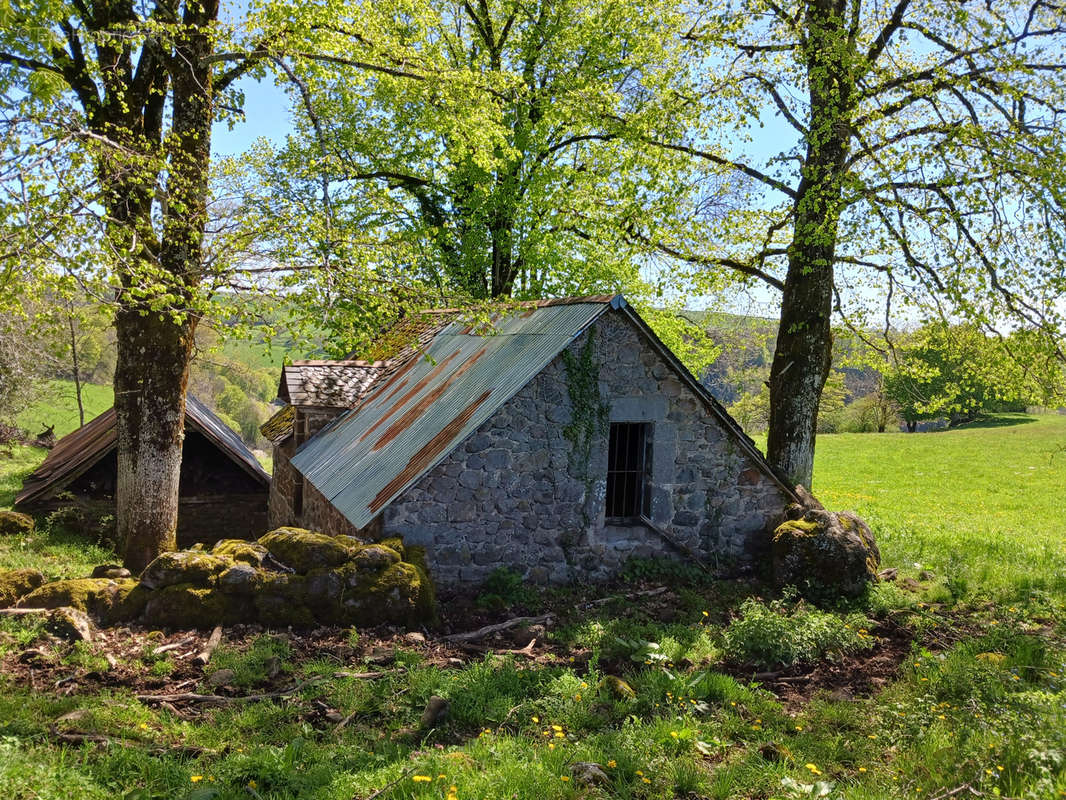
[919, 164]
[486, 148]
[107, 114]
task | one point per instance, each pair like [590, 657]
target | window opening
[628, 465]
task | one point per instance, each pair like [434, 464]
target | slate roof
[78, 451]
[420, 409]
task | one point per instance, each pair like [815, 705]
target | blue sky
[266, 114]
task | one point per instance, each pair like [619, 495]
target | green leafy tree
[481, 149]
[106, 116]
[920, 164]
[954, 372]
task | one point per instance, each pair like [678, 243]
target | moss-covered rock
[129, 603]
[12, 523]
[281, 601]
[374, 558]
[97, 596]
[825, 554]
[391, 597]
[395, 543]
[186, 606]
[69, 624]
[241, 578]
[427, 599]
[16, 583]
[304, 550]
[241, 550]
[184, 566]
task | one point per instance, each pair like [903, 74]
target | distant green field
[981, 505]
[59, 406]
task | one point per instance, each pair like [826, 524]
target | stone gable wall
[514, 494]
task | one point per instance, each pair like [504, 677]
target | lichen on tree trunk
[154, 352]
[803, 354]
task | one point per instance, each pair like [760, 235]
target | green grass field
[974, 706]
[981, 503]
[58, 405]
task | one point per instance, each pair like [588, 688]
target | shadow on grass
[991, 421]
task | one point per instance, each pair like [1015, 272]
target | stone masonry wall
[285, 480]
[515, 493]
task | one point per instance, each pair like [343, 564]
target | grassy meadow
[949, 685]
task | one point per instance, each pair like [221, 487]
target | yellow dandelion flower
[640, 772]
[536, 719]
[577, 696]
[196, 778]
[813, 768]
[705, 614]
[673, 734]
[862, 769]
[421, 778]
[252, 784]
[999, 767]
[551, 745]
[564, 778]
[441, 777]
[557, 727]
[560, 735]
[799, 727]
[646, 780]
[584, 685]
[612, 763]
[144, 726]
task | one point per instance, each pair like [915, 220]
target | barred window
[628, 465]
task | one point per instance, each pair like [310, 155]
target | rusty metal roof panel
[419, 412]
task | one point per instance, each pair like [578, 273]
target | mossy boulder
[97, 596]
[281, 601]
[374, 558]
[12, 523]
[184, 566]
[427, 599]
[186, 606]
[393, 596]
[241, 550]
[304, 550]
[17, 583]
[395, 543]
[825, 554]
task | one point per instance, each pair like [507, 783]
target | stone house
[561, 441]
[222, 491]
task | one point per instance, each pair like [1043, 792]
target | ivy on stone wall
[589, 412]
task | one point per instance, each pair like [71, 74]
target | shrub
[768, 634]
[504, 588]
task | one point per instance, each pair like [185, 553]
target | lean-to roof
[78, 451]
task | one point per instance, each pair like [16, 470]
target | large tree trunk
[803, 354]
[155, 346]
[150, 379]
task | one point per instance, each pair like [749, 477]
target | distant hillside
[747, 345]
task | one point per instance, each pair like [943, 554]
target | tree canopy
[918, 172]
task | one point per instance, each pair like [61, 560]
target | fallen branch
[647, 593]
[526, 651]
[488, 630]
[163, 648]
[368, 675]
[209, 648]
[193, 697]
[11, 612]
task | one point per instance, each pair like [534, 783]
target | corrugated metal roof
[414, 416]
[79, 450]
